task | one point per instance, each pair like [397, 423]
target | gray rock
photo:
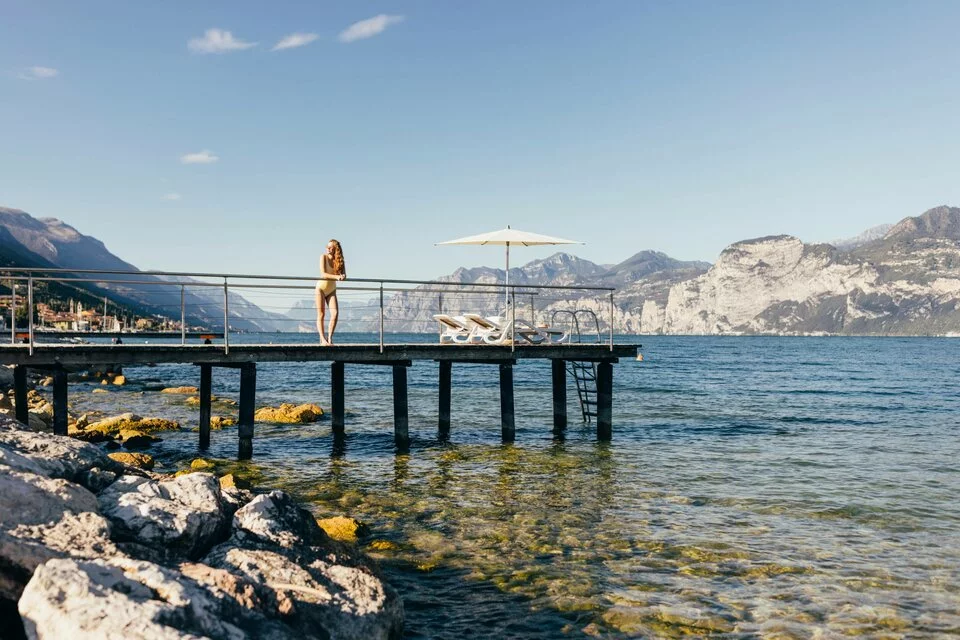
[59, 456]
[320, 598]
[43, 518]
[124, 598]
[275, 518]
[185, 515]
[28, 499]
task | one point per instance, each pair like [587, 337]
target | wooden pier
[58, 358]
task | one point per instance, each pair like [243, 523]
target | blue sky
[676, 126]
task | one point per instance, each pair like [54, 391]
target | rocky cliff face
[905, 283]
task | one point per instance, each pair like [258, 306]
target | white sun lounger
[497, 333]
[456, 330]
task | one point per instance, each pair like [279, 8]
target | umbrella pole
[506, 289]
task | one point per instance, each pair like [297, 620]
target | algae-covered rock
[219, 422]
[341, 528]
[228, 482]
[115, 424]
[202, 465]
[139, 460]
[288, 413]
[100, 391]
[120, 380]
[184, 390]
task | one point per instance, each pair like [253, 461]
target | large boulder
[124, 598]
[185, 516]
[326, 587]
[43, 518]
[57, 457]
[323, 599]
[274, 518]
[288, 413]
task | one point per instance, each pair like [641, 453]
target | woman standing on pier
[332, 268]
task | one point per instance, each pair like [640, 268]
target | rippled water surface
[755, 487]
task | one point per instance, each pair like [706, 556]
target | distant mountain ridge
[50, 242]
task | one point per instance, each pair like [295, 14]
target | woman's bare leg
[334, 314]
[321, 312]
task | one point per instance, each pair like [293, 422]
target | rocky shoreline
[92, 547]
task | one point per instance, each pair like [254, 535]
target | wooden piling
[20, 393]
[507, 425]
[60, 401]
[336, 388]
[248, 393]
[206, 375]
[604, 401]
[446, 375]
[559, 371]
[401, 434]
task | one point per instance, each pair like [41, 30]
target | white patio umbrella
[508, 237]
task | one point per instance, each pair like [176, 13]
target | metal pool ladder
[584, 373]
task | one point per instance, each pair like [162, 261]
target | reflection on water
[755, 488]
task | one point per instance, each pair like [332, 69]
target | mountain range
[26, 241]
[900, 279]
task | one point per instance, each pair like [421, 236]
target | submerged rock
[133, 439]
[288, 413]
[200, 464]
[341, 528]
[184, 390]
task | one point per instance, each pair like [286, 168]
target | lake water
[754, 487]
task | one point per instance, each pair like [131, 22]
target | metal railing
[239, 281]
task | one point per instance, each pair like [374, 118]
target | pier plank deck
[93, 354]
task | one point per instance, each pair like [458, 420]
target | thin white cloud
[171, 196]
[217, 41]
[34, 73]
[295, 40]
[368, 28]
[200, 157]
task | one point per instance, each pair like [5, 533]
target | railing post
[226, 318]
[533, 312]
[440, 310]
[30, 311]
[381, 317]
[513, 319]
[183, 319]
[13, 311]
[611, 321]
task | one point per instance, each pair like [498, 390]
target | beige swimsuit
[326, 287]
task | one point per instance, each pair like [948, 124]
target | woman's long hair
[339, 266]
